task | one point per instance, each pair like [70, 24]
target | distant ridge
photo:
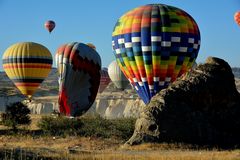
[48, 87]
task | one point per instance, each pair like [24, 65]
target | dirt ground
[94, 148]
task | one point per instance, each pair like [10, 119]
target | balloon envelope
[237, 17]
[153, 45]
[50, 25]
[117, 76]
[91, 45]
[104, 81]
[79, 76]
[27, 64]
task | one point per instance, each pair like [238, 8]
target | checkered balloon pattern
[154, 44]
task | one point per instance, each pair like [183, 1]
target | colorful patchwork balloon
[27, 64]
[154, 44]
[79, 76]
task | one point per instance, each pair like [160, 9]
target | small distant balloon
[117, 76]
[237, 17]
[104, 81]
[50, 25]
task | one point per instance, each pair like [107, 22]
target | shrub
[98, 126]
[59, 125]
[16, 114]
[124, 127]
[88, 126]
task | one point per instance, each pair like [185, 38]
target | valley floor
[86, 148]
[75, 147]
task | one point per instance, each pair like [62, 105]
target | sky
[92, 21]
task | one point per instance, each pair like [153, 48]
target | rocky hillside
[48, 87]
[9, 93]
[111, 103]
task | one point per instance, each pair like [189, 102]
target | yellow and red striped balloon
[27, 64]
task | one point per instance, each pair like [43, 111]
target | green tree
[16, 114]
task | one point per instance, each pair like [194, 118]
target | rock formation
[42, 107]
[117, 108]
[201, 107]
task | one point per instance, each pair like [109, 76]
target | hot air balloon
[153, 45]
[117, 76]
[27, 64]
[79, 76]
[237, 17]
[104, 81]
[91, 45]
[50, 25]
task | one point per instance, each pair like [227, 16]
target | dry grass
[100, 149]
[161, 155]
[57, 143]
[33, 126]
[108, 149]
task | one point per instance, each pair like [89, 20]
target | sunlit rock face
[112, 108]
[202, 107]
[41, 107]
[237, 81]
